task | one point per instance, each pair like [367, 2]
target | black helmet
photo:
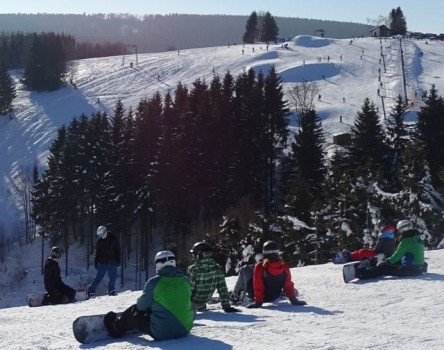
[56, 252]
[201, 249]
[270, 247]
[382, 223]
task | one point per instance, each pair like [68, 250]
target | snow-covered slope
[389, 313]
[347, 72]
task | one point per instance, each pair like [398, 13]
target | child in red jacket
[271, 276]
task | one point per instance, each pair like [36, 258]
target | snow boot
[110, 323]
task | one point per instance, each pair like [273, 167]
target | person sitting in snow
[271, 276]
[164, 309]
[407, 260]
[385, 245]
[206, 276]
[244, 283]
[57, 291]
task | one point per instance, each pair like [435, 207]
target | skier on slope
[271, 276]
[164, 309]
[57, 291]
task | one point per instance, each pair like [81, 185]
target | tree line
[215, 161]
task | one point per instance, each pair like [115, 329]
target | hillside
[346, 72]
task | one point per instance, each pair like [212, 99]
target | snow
[380, 314]
[388, 313]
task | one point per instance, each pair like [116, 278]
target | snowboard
[349, 271]
[35, 299]
[90, 329]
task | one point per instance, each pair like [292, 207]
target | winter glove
[231, 309]
[295, 301]
[255, 305]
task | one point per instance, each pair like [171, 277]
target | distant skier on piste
[164, 309]
[57, 291]
[271, 277]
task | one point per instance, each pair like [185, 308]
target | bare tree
[302, 96]
[23, 188]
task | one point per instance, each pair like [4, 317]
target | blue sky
[425, 16]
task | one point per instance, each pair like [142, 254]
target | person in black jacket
[106, 259]
[57, 291]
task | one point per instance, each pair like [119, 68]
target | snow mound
[311, 41]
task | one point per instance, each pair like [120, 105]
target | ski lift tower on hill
[321, 32]
[130, 49]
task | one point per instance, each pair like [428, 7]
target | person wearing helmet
[163, 310]
[106, 260]
[385, 245]
[407, 260]
[271, 276]
[57, 291]
[244, 283]
[206, 276]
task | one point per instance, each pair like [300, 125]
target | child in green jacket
[407, 260]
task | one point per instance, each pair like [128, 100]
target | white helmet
[404, 225]
[164, 258]
[101, 231]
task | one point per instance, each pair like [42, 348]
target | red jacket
[269, 278]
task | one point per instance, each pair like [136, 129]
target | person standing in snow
[164, 309]
[106, 260]
[206, 276]
[57, 291]
[385, 244]
[271, 276]
[407, 260]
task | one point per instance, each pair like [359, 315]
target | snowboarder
[206, 276]
[57, 291]
[244, 282]
[164, 309]
[106, 259]
[385, 244]
[271, 276]
[407, 260]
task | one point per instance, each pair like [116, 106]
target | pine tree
[397, 21]
[307, 165]
[7, 90]
[251, 29]
[397, 135]
[269, 28]
[368, 150]
[430, 134]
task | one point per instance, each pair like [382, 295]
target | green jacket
[166, 297]
[409, 253]
[206, 276]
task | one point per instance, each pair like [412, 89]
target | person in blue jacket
[164, 309]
